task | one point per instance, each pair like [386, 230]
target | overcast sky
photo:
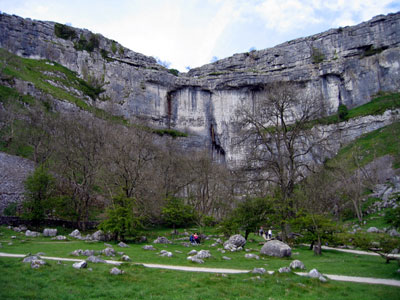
[189, 33]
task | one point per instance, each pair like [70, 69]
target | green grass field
[61, 281]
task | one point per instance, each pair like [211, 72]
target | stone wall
[13, 172]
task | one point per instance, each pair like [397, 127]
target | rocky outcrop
[340, 66]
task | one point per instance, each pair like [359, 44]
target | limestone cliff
[342, 66]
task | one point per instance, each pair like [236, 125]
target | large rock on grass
[49, 232]
[276, 248]
[235, 243]
[162, 240]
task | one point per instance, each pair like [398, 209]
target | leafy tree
[121, 220]
[383, 244]
[250, 215]
[177, 214]
[316, 230]
[39, 191]
[275, 128]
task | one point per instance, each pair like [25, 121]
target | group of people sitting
[267, 235]
[194, 239]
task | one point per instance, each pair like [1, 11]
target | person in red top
[196, 238]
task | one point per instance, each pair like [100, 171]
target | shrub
[88, 45]
[342, 112]
[11, 209]
[63, 31]
[174, 72]
[317, 56]
[39, 191]
[114, 47]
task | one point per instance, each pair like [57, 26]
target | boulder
[250, 255]
[77, 252]
[149, 247]
[236, 240]
[59, 238]
[116, 271]
[109, 251]
[95, 259]
[203, 254]
[297, 264]
[166, 253]
[125, 258]
[373, 230]
[80, 265]
[49, 232]
[162, 240]
[30, 258]
[195, 259]
[276, 248]
[99, 236]
[32, 233]
[75, 234]
[88, 253]
[258, 271]
[37, 263]
[284, 270]
[123, 245]
[315, 274]
[394, 233]
[192, 252]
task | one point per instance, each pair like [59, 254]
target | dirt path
[369, 280]
[357, 251]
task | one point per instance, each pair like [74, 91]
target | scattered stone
[30, 258]
[177, 251]
[120, 253]
[226, 258]
[109, 252]
[166, 253]
[80, 265]
[10, 244]
[192, 252]
[95, 259]
[77, 252]
[250, 255]
[32, 233]
[99, 236]
[221, 275]
[284, 270]
[40, 253]
[13, 237]
[123, 245]
[373, 230]
[37, 263]
[393, 232]
[297, 264]
[235, 243]
[142, 239]
[271, 272]
[88, 253]
[90, 269]
[276, 248]
[59, 238]
[187, 245]
[203, 254]
[107, 245]
[49, 232]
[315, 274]
[195, 259]
[258, 271]
[116, 271]
[75, 234]
[125, 258]
[162, 240]
[149, 247]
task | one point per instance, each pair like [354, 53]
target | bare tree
[280, 140]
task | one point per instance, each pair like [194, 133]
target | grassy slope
[331, 262]
[61, 281]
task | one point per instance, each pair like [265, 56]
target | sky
[190, 33]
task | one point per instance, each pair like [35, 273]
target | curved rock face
[341, 66]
